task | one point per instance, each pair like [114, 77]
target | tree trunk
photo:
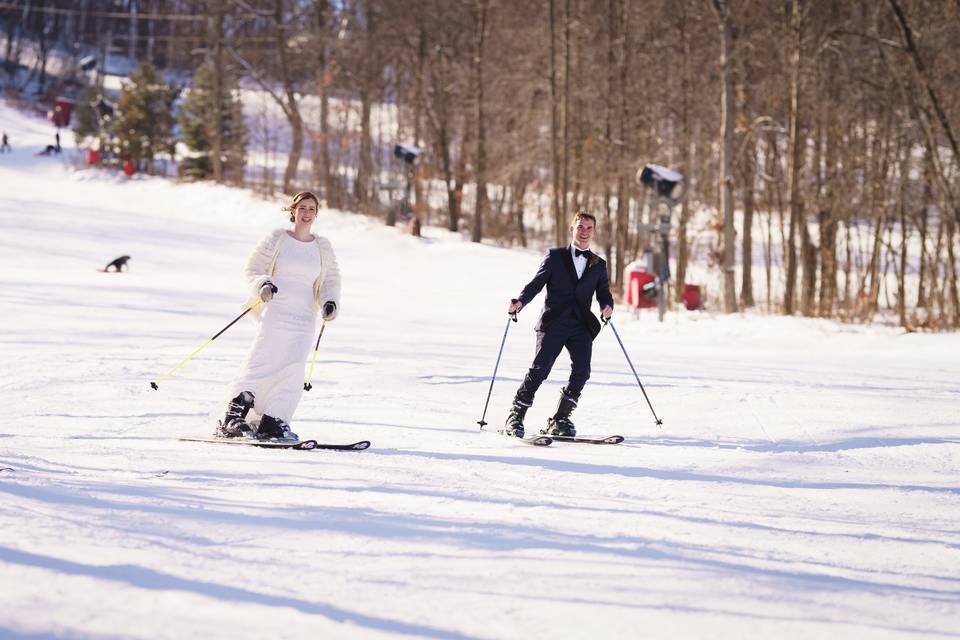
[625, 181]
[750, 171]
[555, 134]
[827, 222]
[772, 170]
[420, 206]
[686, 151]
[565, 171]
[42, 61]
[216, 142]
[368, 81]
[453, 210]
[361, 185]
[923, 216]
[808, 252]
[952, 318]
[9, 45]
[951, 269]
[847, 303]
[796, 158]
[620, 244]
[727, 125]
[578, 200]
[878, 208]
[480, 35]
[132, 45]
[460, 169]
[290, 106]
[151, 28]
[519, 190]
[609, 160]
[438, 116]
[900, 261]
[937, 287]
[323, 173]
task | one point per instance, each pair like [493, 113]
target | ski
[537, 440]
[607, 440]
[355, 446]
[300, 445]
[304, 445]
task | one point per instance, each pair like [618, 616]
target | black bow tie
[584, 252]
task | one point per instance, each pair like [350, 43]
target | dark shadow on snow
[144, 578]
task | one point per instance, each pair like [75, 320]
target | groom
[573, 275]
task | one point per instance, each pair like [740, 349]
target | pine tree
[86, 118]
[198, 124]
[144, 125]
[92, 124]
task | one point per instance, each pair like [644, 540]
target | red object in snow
[635, 295]
[60, 114]
[93, 156]
[692, 297]
[128, 167]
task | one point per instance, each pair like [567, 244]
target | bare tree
[727, 124]
[480, 10]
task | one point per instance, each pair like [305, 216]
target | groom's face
[581, 233]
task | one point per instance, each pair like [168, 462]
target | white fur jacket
[263, 262]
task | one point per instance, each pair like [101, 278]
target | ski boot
[514, 424]
[233, 424]
[560, 424]
[275, 429]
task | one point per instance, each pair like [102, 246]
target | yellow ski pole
[154, 385]
[306, 385]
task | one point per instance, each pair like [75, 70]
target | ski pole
[482, 422]
[306, 385]
[624, 349]
[154, 385]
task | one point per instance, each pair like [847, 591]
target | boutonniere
[594, 259]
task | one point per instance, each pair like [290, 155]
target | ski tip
[588, 440]
[360, 446]
[153, 385]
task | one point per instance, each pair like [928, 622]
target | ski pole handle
[513, 314]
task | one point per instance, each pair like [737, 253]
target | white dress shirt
[579, 263]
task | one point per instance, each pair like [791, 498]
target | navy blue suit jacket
[565, 293]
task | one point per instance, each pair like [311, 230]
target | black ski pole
[155, 385]
[482, 422]
[624, 349]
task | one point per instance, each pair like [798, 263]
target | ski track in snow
[804, 484]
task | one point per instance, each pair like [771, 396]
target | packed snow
[805, 482]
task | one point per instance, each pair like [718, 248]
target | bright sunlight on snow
[805, 482]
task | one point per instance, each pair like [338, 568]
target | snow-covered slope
[804, 484]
